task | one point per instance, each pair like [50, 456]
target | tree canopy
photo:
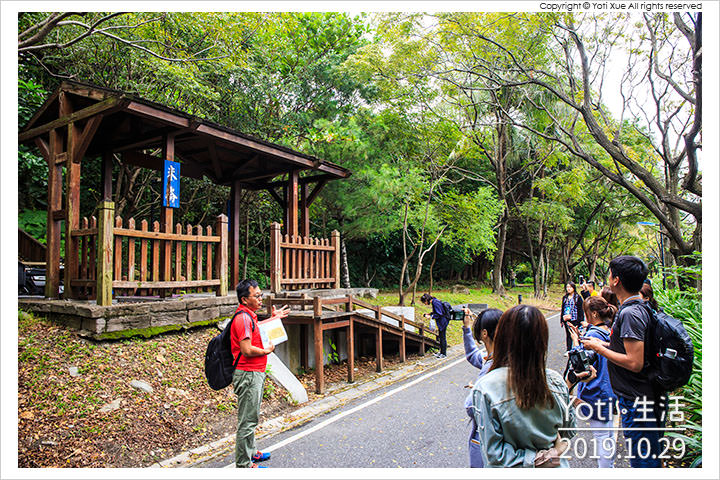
[526, 142]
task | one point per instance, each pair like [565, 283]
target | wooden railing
[30, 249]
[117, 258]
[303, 262]
[348, 302]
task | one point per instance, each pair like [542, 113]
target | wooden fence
[117, 258]
[30, 249]
[303, 262]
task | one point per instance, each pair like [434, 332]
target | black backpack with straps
[219, 362]
[669, 351]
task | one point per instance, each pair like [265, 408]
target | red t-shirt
[242, 328]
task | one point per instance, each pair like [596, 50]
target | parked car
[31, 278]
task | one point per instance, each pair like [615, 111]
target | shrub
[687, 306]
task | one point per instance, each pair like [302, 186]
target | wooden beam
[146, 140]
[316, 191]
[277, 197]
[214, 159]
[111, 104]
[156, 163]
[256, 146]
[42, 109]
[333, 325]
[86, 137]
[157, 114]
[246, 180]
[302, 181]
[44, 148]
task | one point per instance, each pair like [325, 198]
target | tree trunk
[497, 284]
[432, 264]
[345, 271]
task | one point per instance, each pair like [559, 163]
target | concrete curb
[333, 399]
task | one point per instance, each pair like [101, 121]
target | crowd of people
[522, 413]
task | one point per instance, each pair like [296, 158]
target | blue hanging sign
[171, 184]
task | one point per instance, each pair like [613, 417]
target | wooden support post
[378, 349]
[378, 339]
[304, 211]
[107, 168]
[105, 253]
[422, 340]
[318, 337]
[402, 339]
[221, 255]
[291, 199]
[351, 352]
[54, 224]
[335, 266]
[235, 234]
[304, 346]
[167, 221]
[275, 258]
[72, 211]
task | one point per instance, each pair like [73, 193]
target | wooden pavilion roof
[132, 126]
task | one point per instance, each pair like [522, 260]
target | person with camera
[638, 400]
[571, 311]
[587, 289]
[483, 330]
[596, 396]
[441, 320]
[519, 405]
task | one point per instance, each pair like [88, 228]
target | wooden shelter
[79, 123]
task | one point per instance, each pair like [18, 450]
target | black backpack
[667, 370]
[447, 310]
[219, 362]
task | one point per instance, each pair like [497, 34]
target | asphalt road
[419, 422]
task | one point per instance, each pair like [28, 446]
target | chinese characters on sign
[171, 184]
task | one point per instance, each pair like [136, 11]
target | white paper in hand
[272, 331]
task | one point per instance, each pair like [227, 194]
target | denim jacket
[511, 436]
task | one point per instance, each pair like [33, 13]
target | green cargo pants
[248, 387]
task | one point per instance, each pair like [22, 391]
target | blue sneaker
[255, 465]
[260, 457]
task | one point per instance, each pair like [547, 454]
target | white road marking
[339, 416]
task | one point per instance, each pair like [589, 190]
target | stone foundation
[138, 316]
[125, 319]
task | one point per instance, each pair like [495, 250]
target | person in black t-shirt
[637, 399]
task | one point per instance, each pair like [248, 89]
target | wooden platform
[339, 313]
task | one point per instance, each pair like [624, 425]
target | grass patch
[476, 295]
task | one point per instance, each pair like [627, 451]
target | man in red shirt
[249, 374]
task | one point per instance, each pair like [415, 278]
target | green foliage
[34, 223]
[268, 386]
[333, 355]
[686, 305]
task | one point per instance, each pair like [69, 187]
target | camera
[581, 359]
[581, 279]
